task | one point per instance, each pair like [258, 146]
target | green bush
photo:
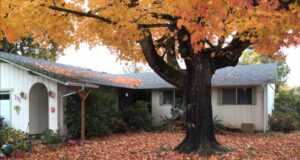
[102, 117]
[177, 121]
[1, 123]
[286, 115]
[218, 124]
[283, 122]
[19, 139]
[51, 138]
[288, 101]
[138, 117]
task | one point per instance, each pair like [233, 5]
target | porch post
[83, 95]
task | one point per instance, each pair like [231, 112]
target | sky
[100, 59]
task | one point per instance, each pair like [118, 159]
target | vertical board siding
[19, 80]
[234, 115]
[231, 115]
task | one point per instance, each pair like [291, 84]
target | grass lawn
[159, 146]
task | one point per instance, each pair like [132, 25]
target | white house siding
[159, 111]
[234, 115]
[19, 80]
[231, 115]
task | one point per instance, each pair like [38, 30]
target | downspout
[265, 107]
[62, 108]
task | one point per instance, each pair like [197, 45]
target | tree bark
[82, 135]
[199, 120]
[83, 95]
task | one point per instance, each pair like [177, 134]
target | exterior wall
[159, 111]
[234, 115]
[18, 80]
[62, 93]
[231, 115]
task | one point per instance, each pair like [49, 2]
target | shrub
[286, 115]
[138, 117]
[19, 139]
[1, 123]
[218, 124]
[51, 138]
[102, 117]
[283, 121]
[288, 101]
[177, 121]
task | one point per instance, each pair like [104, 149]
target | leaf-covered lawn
[159, 146]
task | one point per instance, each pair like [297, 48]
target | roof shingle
[229, 76]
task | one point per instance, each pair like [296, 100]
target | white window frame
[253, 95]
[8, 91]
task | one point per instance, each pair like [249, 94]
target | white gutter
[81, 85]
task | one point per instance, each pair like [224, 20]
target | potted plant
[51, 94]
[17, 108]
[23, 95]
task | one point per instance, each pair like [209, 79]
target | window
[238, 96]
[244, 96]
[5, 109]
[167, 97]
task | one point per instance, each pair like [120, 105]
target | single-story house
[33, 91]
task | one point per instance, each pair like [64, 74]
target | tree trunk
[199, 121]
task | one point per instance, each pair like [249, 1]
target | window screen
[229, 96]
[5, 109]
[244, 96]
[168, 97]
[237, 96]
[4, 96]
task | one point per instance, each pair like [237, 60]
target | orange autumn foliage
[266, 24]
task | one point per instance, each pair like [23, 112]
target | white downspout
[265, 107]
[62, 108]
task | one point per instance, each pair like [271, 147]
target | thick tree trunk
[199, 121]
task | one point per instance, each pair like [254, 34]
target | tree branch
[164, 16]
[170, 74]
[82, 14]
[157, 25]
[106, 20]
[229, 56]
[209, 43]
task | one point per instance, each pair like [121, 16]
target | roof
[76, 76]
[67, 74]
[255, 74]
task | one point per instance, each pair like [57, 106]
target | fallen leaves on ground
[145, 145]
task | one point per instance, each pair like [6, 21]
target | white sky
[100, 59]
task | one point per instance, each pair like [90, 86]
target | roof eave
[50, 78]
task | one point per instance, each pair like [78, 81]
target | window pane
[244, 95]
[229, 96]
[5, 110]
[5, 113]
[168, 97]
[4, 96]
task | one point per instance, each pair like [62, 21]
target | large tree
[205, 34]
